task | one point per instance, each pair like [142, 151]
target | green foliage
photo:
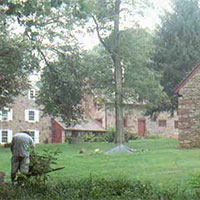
[48, 27]
[88, 137]
[178, 43]
[110, 135]
[40, 167]
[16, 61]
[195, 181]
[140, 83]
[93, 188]
[163, 164]
[62, 85]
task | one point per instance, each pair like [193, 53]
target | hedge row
[95, 189]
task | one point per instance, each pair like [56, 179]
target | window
[5, 136]
[32, 115]
[176, 124]
[6, 114]
[34, 134]
[162, 123]
[31, 94]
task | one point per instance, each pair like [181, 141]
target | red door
[57, 132]
[142, 127]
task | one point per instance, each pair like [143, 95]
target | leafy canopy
[140, 83]
[178, 43]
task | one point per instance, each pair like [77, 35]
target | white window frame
[9, 116]
[36, 115]
[36, 136]
[9, 136]
[31, 94]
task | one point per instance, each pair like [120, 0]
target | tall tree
[178, 43]
[140, 83]
[106, 15]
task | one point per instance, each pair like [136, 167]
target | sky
[149, 20]
[151, 17]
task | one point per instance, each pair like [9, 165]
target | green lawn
[156, 160]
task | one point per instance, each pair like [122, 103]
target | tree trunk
[117, 75]
[118, 79]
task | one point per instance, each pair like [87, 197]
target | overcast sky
[150, 20]
[151, 17]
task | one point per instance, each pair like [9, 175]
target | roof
[186, 79]
[87, 125]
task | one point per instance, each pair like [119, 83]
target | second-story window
[31, 94]
[32, 115]
[6, 114]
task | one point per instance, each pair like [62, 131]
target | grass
[156, 160]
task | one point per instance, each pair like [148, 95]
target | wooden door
[142, 127]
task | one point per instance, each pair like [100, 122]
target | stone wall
[131, 114]
[189, 113]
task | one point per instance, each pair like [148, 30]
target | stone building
[188, 92]
[25, 115]
[134, 119]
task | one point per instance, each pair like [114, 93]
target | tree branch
[39, 50]
[99, 36]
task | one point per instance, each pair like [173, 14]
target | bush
[88, 137]
[95, 189]
[39, 168]
[110, 135]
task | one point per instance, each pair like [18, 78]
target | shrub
[95, 189]
[88, 137]
[110, 135]
[39, 168]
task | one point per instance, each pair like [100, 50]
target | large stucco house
[188, 92]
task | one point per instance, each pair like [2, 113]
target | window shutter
[0, 136]
[26, 115]
[37, 137]
[37, 115]
[0, 115]
[10, 115]
[10, 135]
